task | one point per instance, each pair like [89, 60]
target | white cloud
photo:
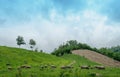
[87, 27]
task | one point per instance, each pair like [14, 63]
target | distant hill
[97, 57]
[68, 46]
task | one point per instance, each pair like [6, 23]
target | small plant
[92, 74]
[62, 74]
[66, 74]
[19, 73]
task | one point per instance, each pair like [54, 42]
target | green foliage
[112, 52]
[116, 48]
[68, 47]
[20, 41]
[36, 49]
[92, 74]
[32, 43]
[41, 51]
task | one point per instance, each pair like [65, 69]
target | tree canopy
[32, 43]
[20, 41]
[67, 47]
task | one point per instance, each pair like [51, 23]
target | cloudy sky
[52, 22]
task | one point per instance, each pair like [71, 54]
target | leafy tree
[116, 49]
[36, 49]
[41, 50]
[67, 47]
[20, 41]
[112, 52]
[32, 43]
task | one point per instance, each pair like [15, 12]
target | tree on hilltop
[20, 41]
[32, 43]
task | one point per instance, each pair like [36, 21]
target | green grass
[79, 60]
[17, 57]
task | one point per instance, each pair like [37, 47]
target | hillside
[96, 57]
[17, 57]
[47, 65]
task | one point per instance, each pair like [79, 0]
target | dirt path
[98, 58]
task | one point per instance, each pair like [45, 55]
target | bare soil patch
[97, 57]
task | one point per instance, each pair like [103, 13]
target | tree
[41, 50]
[70, 45]
[20, 41]
[36, 49]
[32, 43]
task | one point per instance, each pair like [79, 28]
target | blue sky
[51, 22]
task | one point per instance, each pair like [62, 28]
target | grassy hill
[16, 57]
[13, 58]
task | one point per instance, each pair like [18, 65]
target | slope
[96, 57]
[17, 57]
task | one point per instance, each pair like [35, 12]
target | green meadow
[46, 65]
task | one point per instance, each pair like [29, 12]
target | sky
[52, 22]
